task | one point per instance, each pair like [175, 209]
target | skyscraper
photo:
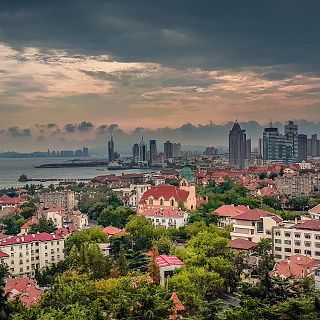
[237, 146]
[302, 147]
[176, 150]
[291, 132]
[142, 151]
[277, 148]
[168, 150]
[111, 149]
[153, 150]
[85, 151]
[248, 149]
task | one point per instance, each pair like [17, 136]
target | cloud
[16, 132]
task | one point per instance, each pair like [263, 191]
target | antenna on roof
[271, 126]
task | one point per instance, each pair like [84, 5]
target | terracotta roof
[25, 289]
[3, 255]
[165, 212]
[167, 192]
[268, 191]
[8, 200]
[309, 225]
[178, 306]
[298, 266]
[242, 244]
[29, 223]
[111, 231]
[256, 215]
[43, 236]
[166, 261]
[228, 210]
[315, 209]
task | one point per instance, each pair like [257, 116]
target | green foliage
[47, 276]
[117, 217]
[5, 309]
[141, 232]
[164, 245]
[299, 203]
[44, 225]
[272, 202]
[79, 238]
[12, 223]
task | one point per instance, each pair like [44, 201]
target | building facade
[62, 199]
[237, 146]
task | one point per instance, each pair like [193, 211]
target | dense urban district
[235, 239]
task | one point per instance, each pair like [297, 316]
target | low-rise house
[167, 265]
[23, 289]
[226, 213]
[26, 228]
[132, 195]
[9, 202]
[268, 191]
[254, 225]
[179, 310]
[105, 248]
[113, 231]
[297, 266]
[315, 212]
[169, 196]
[242, 245]
[30, 252]
[168, 217]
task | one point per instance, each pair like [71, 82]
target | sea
[11, 169]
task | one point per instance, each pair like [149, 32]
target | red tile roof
[178, 306]
[228, 210]
[165, 212]
[256, 215]
[111, 231]
[309, 225]
[3, 255]
[41, 237]
[25, 289]
[315, 209]
[165, 191]
[298, 266]
[268, 191]
[8, 200]
[29, 223]
[242, 244]
[166, 261]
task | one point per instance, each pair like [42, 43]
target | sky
[73, 71]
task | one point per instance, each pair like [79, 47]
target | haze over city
[72, 73]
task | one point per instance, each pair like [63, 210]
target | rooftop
[166, 261]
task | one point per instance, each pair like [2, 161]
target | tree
[43, 225]
[78, 238]
[154, 269]
[117, 217]
[122, 262]
[299, 203]
[164, 245]
[141, 233]
[4, 307]
[12, 223]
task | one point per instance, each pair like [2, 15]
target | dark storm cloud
[16, 132]
[209, 34]
[85, 126]
[69, 127]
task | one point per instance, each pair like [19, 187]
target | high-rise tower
[237, 146]
[111, 149]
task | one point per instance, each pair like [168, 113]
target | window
[287, 241]
[307, 252]
[151, 202]
[278, 256]
[287, 234]
[172, 202]
[307, 236]
[277, 248]
[307, 244]
[297, 251]
[317, 236]
[297, 235]
[317, 244]
[287, 249]
[317, 253]
[277, 240]
[297, 243]
[161, 202]
[268, 232]
[278, 233]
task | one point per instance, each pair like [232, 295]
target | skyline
[79, 70]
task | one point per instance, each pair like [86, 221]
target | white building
[132, 195]
[305, 165]
[25, 254]
[254, 225]
[63, 199]
[292, 238]
[168, 217]
[167, 265]
[227, 213]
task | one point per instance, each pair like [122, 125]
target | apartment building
[295, 185]
[168, 217]
[292, 238]
[227, 213]
[254, 225]
[315, 212]
[24, 254]
[64, 199]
